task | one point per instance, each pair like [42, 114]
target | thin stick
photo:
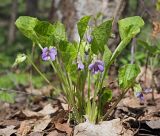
[114, 105]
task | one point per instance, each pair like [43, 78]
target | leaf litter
[49, 117]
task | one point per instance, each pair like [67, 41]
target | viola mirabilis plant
[83, 63]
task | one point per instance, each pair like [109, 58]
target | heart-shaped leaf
[100, 36]
[82, 25]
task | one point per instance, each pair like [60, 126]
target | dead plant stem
[105, 117]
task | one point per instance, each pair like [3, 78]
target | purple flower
[148, 90]
[89, 39]
[97, 66]
[49, 53]
[80, 65]
[140, 96]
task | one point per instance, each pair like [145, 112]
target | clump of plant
[83, 64]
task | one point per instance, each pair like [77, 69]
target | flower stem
[89, 84]
[40, 46]
[38, 70]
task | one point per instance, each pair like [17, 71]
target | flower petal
[140, 96]
[45, 50]
[96, 69]
[91, 66]
[89, 39]
[53, 51]
[52, 56]
[45, 57]
[80, 66]
[101, 68]
[99, 62]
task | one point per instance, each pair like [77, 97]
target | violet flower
[97, 66]
[140, 96]
[89, 39]
[49, 53]
[148, 90]
[80, 65]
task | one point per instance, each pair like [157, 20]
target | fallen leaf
[41, 124]
[9, 130]
[48, 109]
[25, 127]
[9, 123]
[43, 91]
[36, 134]
[60, 117]
[29, 113]
[154, 124]
[32, 90]
[63, 128]
[55, 133]
[131, 102]
[65, 106]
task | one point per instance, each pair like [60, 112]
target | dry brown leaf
[53, 133]
[41, 124]
[33, 91]
[43, 91]
[154, 124]
[65, 106]
[9, 122]
[156, 28]
[131, 102]
[36, 134]
[9, 130]
[63, 128]
[60, 117]
[48, 109]
[29, 113]
[25, 127]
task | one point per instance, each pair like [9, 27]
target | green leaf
[59, 32]
[44, 32]
[69, 53]
[41, 31]
[158, 5]
[100, 36]
[119, 49]
[63, 45]
[26, 25]
[105, 96]
[6, 97]
[130, 26]
[127, 75]
[107, 55]
[82, 25]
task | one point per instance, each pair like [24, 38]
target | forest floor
[44, 116]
